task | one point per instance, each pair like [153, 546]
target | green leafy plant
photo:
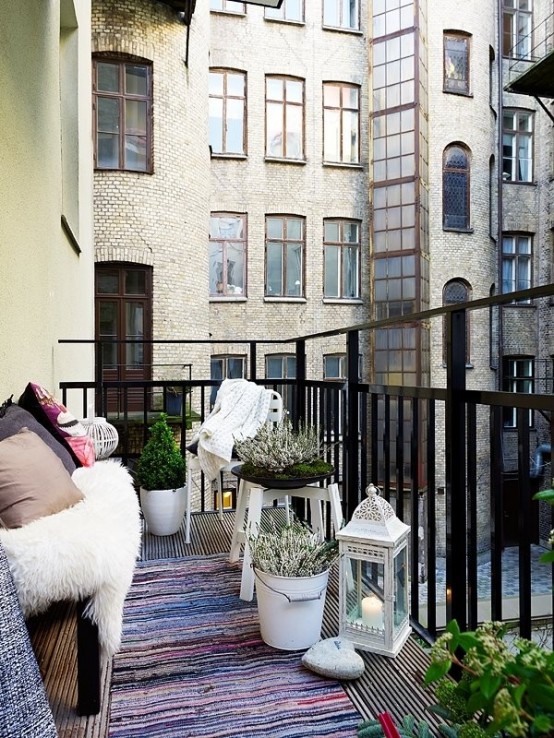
[291, 551]
[504, 690]
[547, 495]
[408, 728]
[161, 464]
[281, 452]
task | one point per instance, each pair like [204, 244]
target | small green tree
[161, 464]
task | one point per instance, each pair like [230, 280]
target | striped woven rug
[193, 665]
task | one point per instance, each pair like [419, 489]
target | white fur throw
[89, 549]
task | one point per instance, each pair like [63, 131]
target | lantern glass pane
[400, 565]
[365, 593]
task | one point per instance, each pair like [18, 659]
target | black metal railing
[438, 454]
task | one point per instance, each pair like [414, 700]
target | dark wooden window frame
[450, 85]
[517, 134]
[510, 49]
[342, 109]
[244, 241]
[285, 104]
[121, 61]
[225, 97]
[341, 26]
[447, 171]
[283, 243]
[342, 244]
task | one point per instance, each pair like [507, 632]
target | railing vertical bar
[253, 361]
[351, 489]
[472, 594]
[374, 438]
[414, 506]
[431, 549]
[362, 398]
[524, 528]
[386, 447]
[497, 512]
[300, 404]
[399, 481]
[455, 468]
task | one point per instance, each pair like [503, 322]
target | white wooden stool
[253, 498]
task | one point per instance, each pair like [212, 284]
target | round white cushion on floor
[334, 657]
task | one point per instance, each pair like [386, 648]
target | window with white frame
[516, 262]
[518, 376]
[282, 366]
[341, 122]
[284, 109]
[341, 247]
[517, 146]
[227, 111]
[229, 6]
[227, 254]
[517, 17]
[284, 256]
[343, 14]
[290, 10]
[456, 63]
[226, 366]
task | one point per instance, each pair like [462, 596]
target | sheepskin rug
[88, 550]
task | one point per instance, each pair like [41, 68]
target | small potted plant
[281, 457]
[161, 474]
[291, 566]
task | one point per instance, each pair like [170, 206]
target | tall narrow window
[290, 10]
[284, 117]
[225, 367]
[284, 260]
[516, 263]
[282, 366]
[517, 146]
[229, 6]
[518, 377]
[456, 292]
[456, 63]
[227, 255]
[343, 14]
[455, 188]
[341, 123]
[227, 111]
[122, 99]
[341, 247]
[517, 16]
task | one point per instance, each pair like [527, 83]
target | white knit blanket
[88, 550]
[241, 407]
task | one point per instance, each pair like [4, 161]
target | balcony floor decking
[387, 684]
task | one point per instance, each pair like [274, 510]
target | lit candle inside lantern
[372, 611]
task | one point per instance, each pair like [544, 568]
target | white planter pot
[163, 509]
[290, 609]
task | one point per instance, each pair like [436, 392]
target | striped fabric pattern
[193, 665]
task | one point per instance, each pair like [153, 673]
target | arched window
[455, 188]
[454, 292]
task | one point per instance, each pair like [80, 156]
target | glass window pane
[216, 268]
[331, 230]
[108, 150]
[235, 118]
[216, 83]
[216, 125]
[235, 85]
[332, 254]
[294, 91]
[136, 79]
[331, 128]
[294, 228]
[274, 269]
[135, 282]
[274, 367]
[274, 141]
[107, 284]
[135, 117]
[107, 77]
[108, 115]
[294, 269]
[135, 153]
[331, 95]
[350, 272]
[330, 13]
[274, 88]
[274, 227]
[235, 368]
[134, 328]
[294, 132]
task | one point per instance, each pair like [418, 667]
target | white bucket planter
[163, 509]
[290, 609]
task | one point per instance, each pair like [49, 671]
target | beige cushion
[33, 480]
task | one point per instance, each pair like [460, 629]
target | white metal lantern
[373, 587]
[104, 436]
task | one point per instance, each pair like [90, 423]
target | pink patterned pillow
[56, 418]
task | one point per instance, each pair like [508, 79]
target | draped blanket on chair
[240, 408]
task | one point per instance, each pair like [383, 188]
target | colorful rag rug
[192, 664]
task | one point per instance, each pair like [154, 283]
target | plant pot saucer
[272, 483]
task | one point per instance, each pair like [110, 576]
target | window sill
[351, 31]
[219, 11]
[285, 299]
[342, 301]
[459, 93]
[517, 304]
[457, 230]
[279, 160]
[287, 21]
[228, 298]
[344, 165]
[223, 155]
[518, 182]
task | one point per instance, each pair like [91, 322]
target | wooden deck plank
[387, 684]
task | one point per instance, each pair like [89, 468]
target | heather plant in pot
[281, 453]
[161, 474]
[291, 565]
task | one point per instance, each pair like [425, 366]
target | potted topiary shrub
[161, 473]
[282, 458]
[291, 566]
